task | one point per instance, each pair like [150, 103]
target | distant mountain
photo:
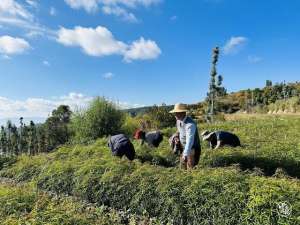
[143, 110]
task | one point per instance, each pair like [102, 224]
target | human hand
[184, 158]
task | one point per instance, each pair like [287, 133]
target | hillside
[256, 184]
[277, 97]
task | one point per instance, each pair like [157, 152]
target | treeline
[258, 99]
[100, 118]
[35, 138]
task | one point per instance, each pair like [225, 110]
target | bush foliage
[101, 118]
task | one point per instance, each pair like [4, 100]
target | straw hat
[206, 134]
[179, 107]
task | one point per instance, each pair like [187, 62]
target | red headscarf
[138, 134]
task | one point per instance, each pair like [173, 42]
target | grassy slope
[208, 195]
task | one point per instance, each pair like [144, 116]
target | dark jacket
[153, 138]
[120, 145]
[226, 138]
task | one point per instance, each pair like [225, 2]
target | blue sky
[139, 52]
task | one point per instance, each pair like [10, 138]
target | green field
[256, 184]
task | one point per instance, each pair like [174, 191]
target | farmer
[120, 145]
[218, 139]
[188, 137]
[153, 138]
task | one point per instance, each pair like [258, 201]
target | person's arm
[190, 131]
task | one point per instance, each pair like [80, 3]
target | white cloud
[38, 107]
[12, 46]
[12, 9]
[34, 34]
[254, 59]
[100, 41]
[13, 13]
[88, 5]
[46, 63]
[234, 45]
[112, 7]
[94, 42]
[142, 49]
[53, 11]
[32, 3]
[120, 12]
[108, 75]
[42, 108]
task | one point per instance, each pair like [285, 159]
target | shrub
[101, 118]
[130, 125]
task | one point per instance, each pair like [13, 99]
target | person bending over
[153, 138]
[218, 139]
[120, 145]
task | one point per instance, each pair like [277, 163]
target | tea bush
[203, 196]
[23, 205]
[268, 143]
[228, 187]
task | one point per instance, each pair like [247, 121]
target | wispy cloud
[32, 3]
[234, 45]
[100, 42]
[108, 75]
[254, 59]
[119, 8]
[120, 12]
[53, 11]
[15, 14]
[46, 63]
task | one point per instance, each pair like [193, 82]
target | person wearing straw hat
[188, 136]
[218, 139]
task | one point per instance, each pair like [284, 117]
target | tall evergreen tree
[3, 141]
[32, 144]
[8, 127]
[212, 84]
[21, 135]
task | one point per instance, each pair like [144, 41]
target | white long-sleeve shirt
[187, 131]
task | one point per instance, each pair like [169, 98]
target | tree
[3, 141]
[268, 83]
[41, 139]
[55, 129]
[21, 135]
[215, 85]
[14, 140]
[9, 126]
[32, 143]
[161, 117]
[63, 113]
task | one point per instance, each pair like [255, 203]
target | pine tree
[213, 74]
[3, 140]
[21, 135]
[32, 145]
[9, 126]
[14, 140]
